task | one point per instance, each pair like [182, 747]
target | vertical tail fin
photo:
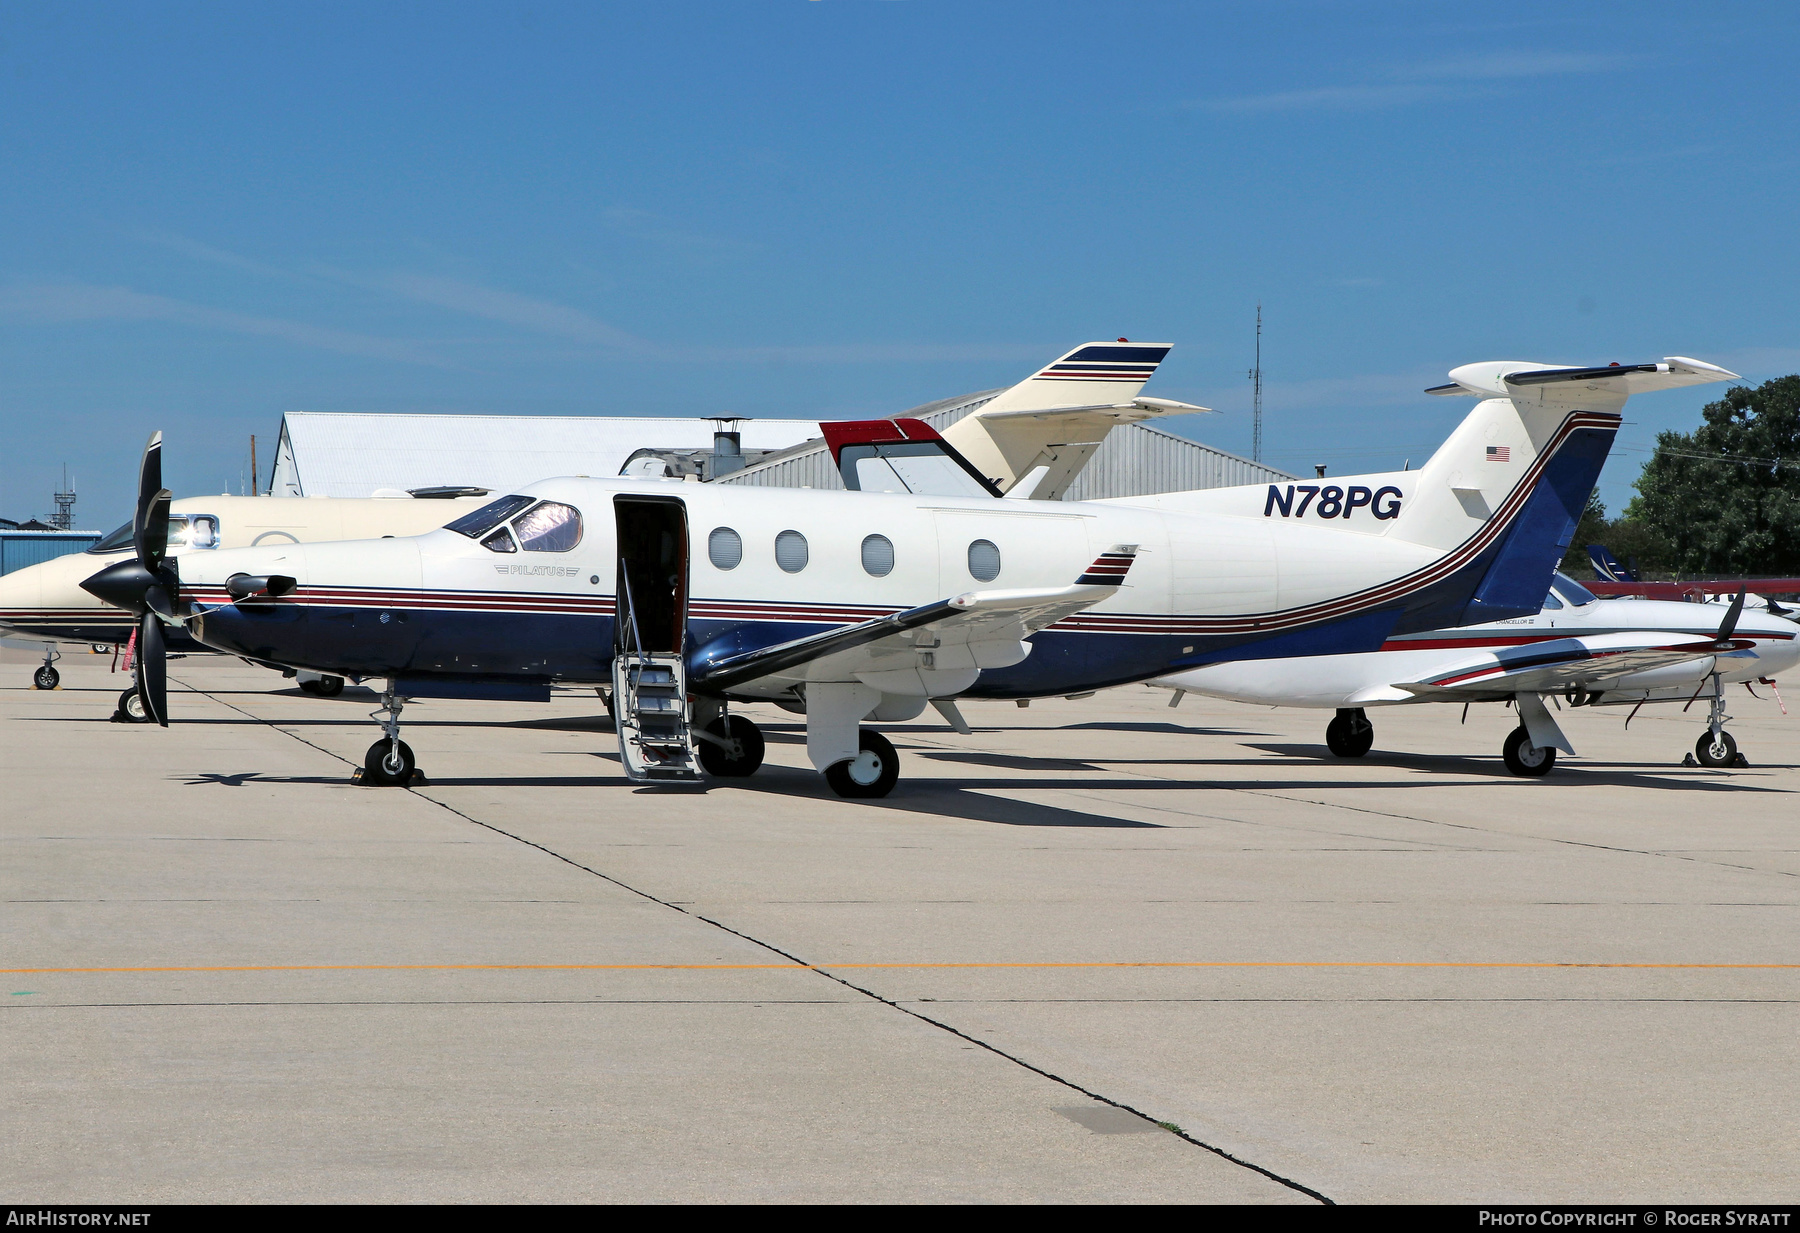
[1051, 422]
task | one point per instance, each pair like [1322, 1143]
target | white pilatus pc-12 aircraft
[1028, 440]
[866, 604]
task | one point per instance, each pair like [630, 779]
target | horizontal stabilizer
[1506, 378]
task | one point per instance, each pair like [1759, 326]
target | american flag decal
[1109, 568]
[1499, 453]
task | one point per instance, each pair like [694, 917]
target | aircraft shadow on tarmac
[1583, 773]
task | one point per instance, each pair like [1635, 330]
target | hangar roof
[342, 454]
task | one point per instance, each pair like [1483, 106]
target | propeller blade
[153, 669]
[149, 534]
[1729, 625]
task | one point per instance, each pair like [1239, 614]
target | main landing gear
[1350, 735]
[389, 762]
[730, 747]
[872, 772]
[1524, 758]
[1715, 748]
[321, 686]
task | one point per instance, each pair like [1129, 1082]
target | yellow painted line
[837, 967]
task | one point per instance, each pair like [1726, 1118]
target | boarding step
[656, 741]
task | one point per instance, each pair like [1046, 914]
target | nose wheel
[47, 677]
[1715, 748]
[389, 762]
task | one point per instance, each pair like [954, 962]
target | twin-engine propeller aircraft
[1589, 651]
[857, 605]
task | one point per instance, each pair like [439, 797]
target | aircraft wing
[1566, 663]
[977, 629]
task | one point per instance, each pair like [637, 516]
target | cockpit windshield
[480, 522]
[1572, 591]
[120, 540]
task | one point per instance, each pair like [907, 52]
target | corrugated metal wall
[1134, 460]
[21, 548]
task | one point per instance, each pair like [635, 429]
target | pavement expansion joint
[1287, 1182]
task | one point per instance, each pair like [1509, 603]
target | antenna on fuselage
[1255, 375]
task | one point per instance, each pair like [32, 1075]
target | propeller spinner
[147, 585]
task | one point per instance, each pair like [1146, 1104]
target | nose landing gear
[47, 677]
[389, 762]
[1716, 748]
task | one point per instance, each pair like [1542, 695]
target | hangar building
[1134, 460]
[332, 454]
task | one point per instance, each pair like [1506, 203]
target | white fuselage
[1370, 678]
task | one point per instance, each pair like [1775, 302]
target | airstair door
[650, 695]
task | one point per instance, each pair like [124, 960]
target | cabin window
[725, 548]
[500, 541]
[984, 560]
[878, 555]
[479, 522]
[550, 526]
[791, 551]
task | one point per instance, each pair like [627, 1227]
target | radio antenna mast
[64, 518]
[1255, 375]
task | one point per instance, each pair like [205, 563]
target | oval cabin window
[984, 560]
[790, 551]
[724, 548]
[878, 555]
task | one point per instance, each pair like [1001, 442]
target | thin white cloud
[62, 302]
[1460, 77]
[1326, 98]
[526, 312]
[218, 256]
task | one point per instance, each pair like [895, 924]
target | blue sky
[210, 215]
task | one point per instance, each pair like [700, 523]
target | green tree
[1725, 499]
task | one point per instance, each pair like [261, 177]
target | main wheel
[723, 764]
[1524, 758]
[873, 772]
[1350, 735]
[324, 687]
[387, 763]
[1720, 752]
[45, 677]
[131, 706]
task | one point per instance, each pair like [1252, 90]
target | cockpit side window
[1551, 603]
[479, 522]
[1571, 590]
[550, 526]
[500, 541]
